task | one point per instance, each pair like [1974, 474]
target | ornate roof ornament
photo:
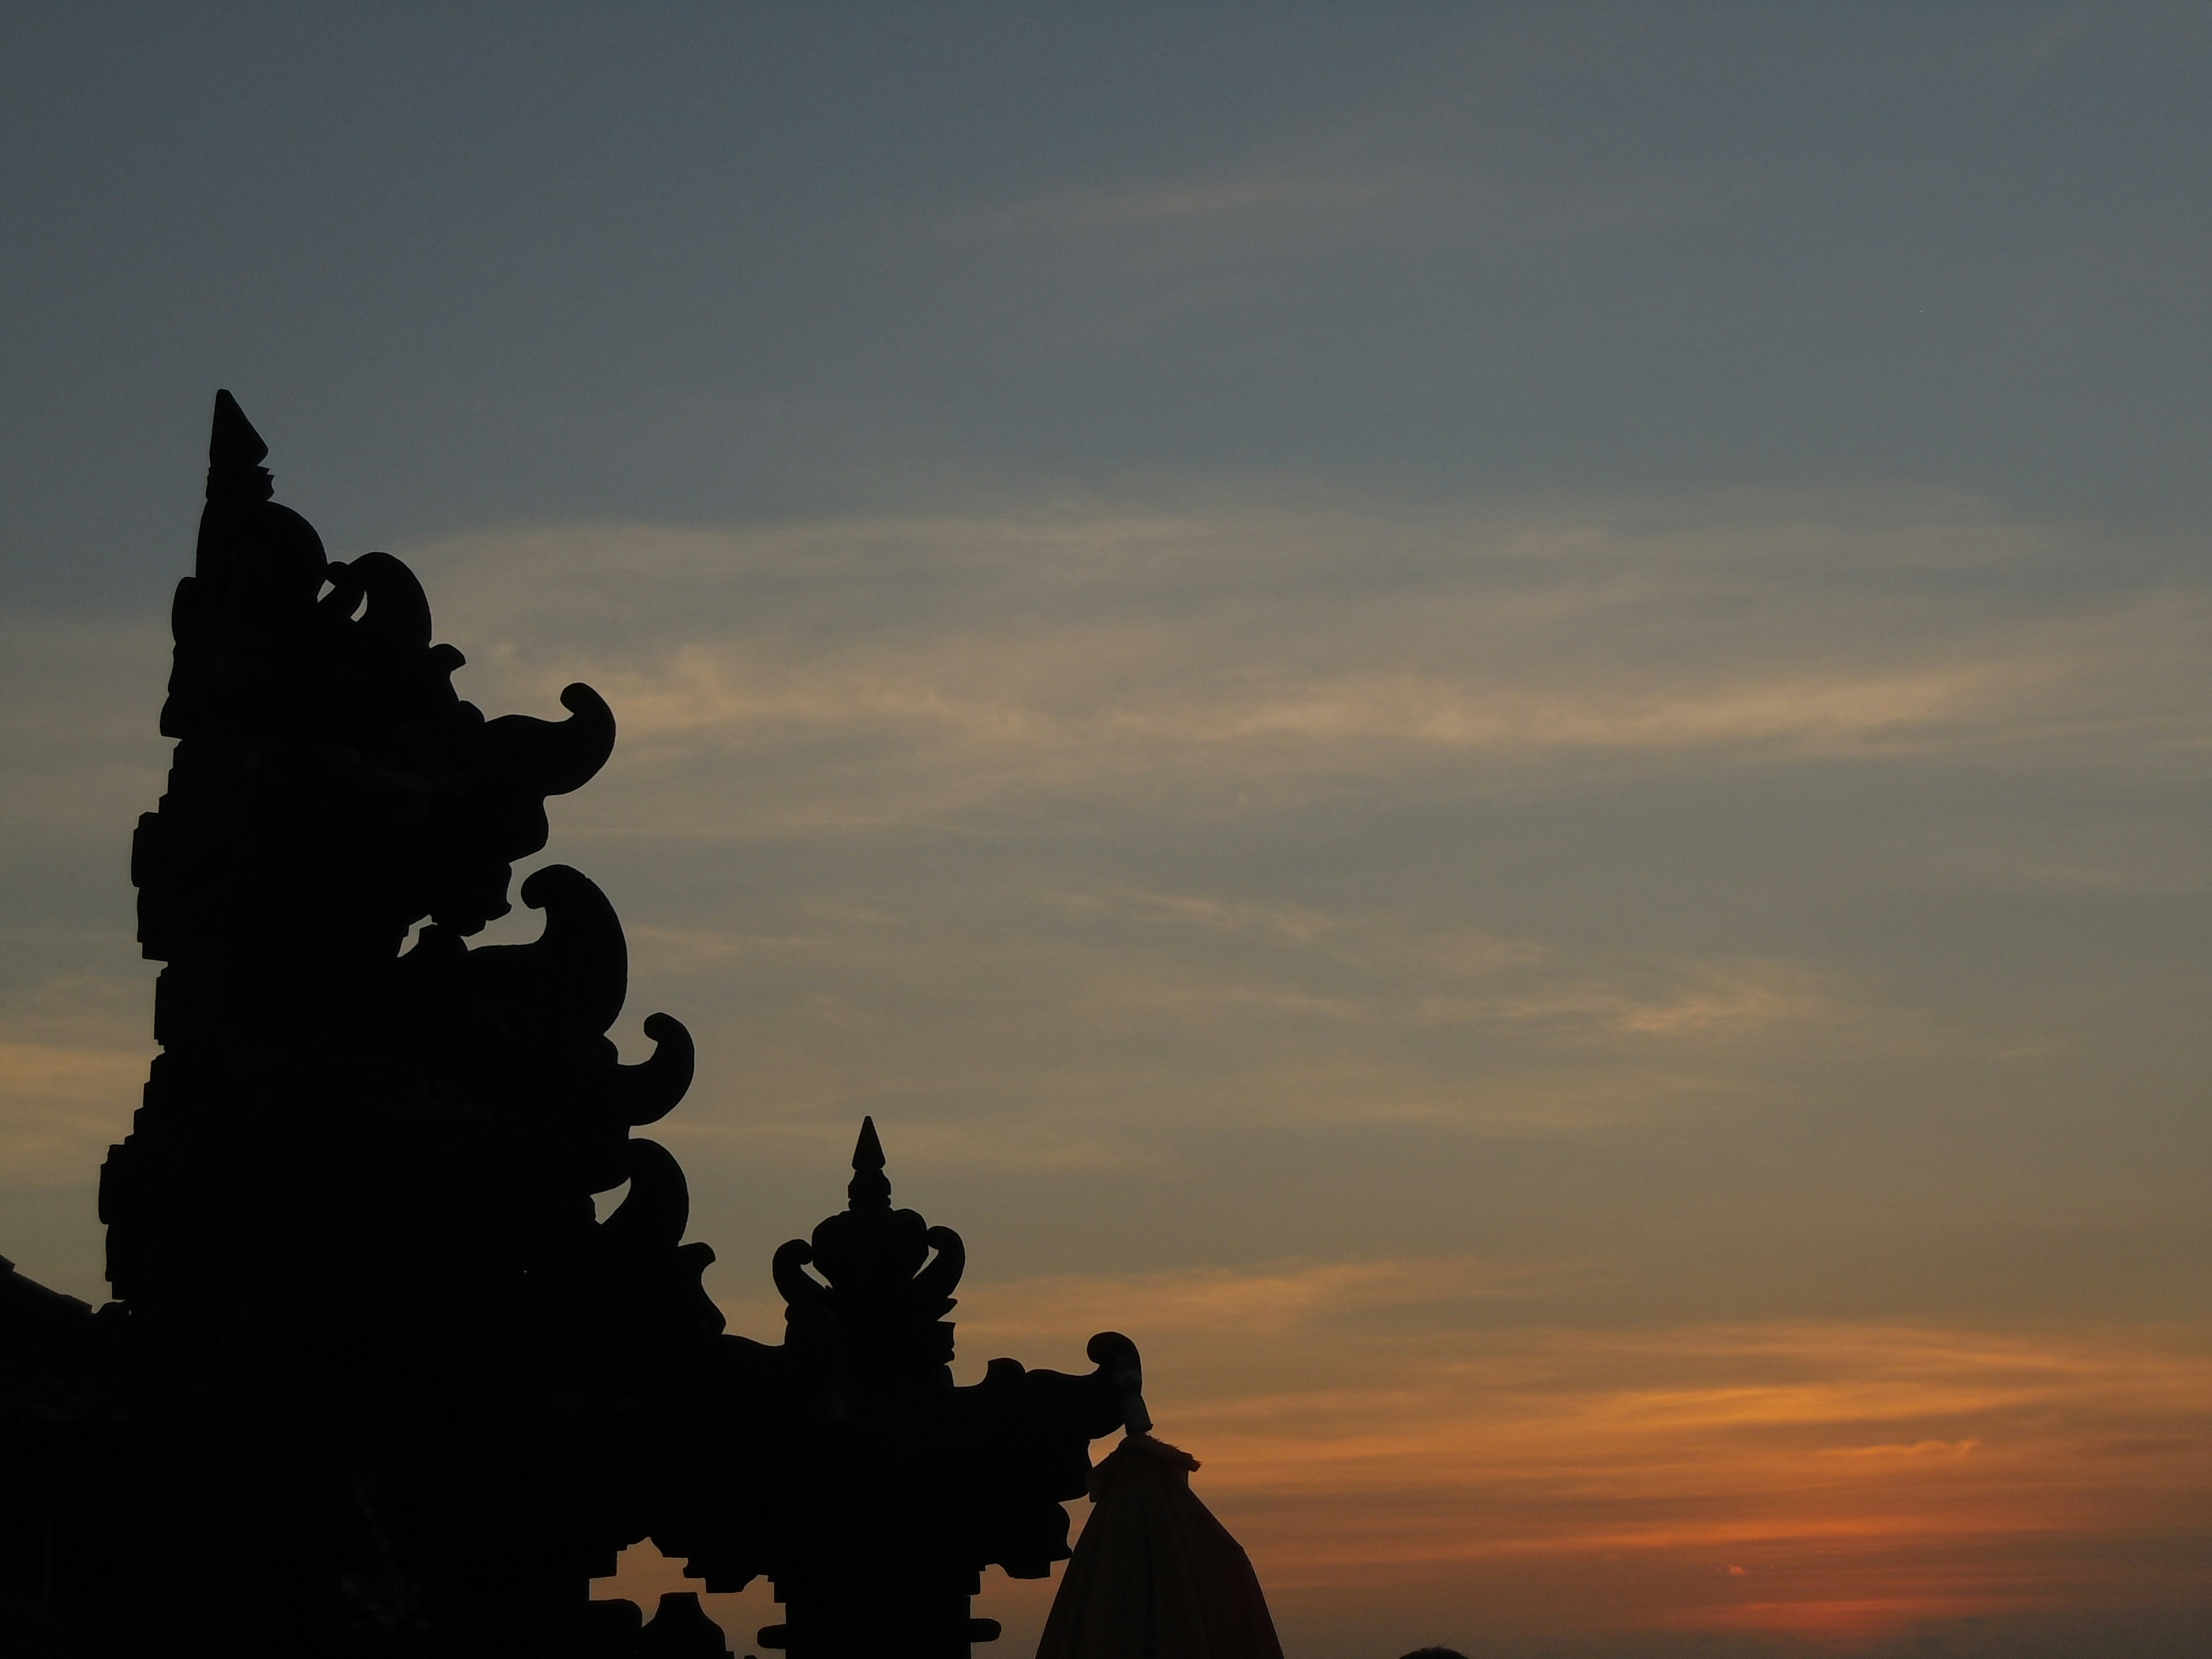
[370, 1338]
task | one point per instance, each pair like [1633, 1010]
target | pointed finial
[235, 453]
[869, 1188]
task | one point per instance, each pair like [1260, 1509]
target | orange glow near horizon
[1373, 1440]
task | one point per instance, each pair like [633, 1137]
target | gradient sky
[1496, 720]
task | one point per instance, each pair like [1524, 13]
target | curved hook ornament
[798, 1288]
[582, 946]
[557, 757]
[1123, 1371]
[659, 1207]
[648, 1091]
[943, 1271]
[336, 608]
[399, 614]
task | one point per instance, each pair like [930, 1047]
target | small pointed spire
[869, 1188]
[235, 452]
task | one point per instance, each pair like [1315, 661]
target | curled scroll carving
[371, 1337]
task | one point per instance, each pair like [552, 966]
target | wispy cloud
[1237, 660]
[61, 1107]
[79, 699]
[1068, 839]
[984, 749]
[1028, 776]
[1380, 1430]
[75, 1044]
[1278, 195]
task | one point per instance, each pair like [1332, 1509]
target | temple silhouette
[376, 1380]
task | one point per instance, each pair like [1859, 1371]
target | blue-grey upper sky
[718, 259]
[1498, 719]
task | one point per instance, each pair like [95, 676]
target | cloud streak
[1108, 851]
[1384, 1431]
[1217, 661]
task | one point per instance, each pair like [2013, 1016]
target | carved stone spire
[870, 1188]
[354, 1210]
[372, 1341]
[235, 452]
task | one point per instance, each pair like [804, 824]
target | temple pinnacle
[870, 1188]
[235, 452]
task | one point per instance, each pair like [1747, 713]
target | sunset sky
[1496, 720]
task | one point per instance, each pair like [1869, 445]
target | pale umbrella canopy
[1154, 1575]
